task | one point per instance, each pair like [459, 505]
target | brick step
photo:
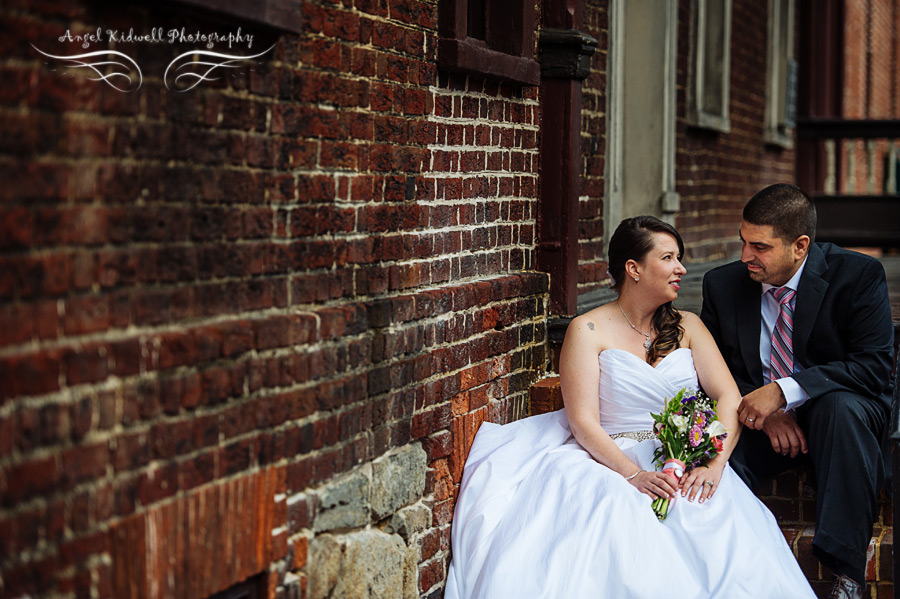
[791, 497]
[546, 396]
[879, 569]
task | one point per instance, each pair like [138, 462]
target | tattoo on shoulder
[590, 325]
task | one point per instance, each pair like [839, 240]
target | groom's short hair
[786, 208]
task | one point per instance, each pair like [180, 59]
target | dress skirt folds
[538, 517]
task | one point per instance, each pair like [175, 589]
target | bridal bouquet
[690, 435]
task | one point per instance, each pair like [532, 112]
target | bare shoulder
[593, 325]
[584, 321]
[692, 326]
[689, 319]
[587, 322]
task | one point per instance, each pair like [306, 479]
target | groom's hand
[758, 405]
[785, 435]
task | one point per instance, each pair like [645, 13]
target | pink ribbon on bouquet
[675, 468]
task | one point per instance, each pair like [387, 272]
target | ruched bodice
[630, 389]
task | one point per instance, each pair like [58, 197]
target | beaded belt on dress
[636, 435]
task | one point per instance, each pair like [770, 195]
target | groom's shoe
[845, 587]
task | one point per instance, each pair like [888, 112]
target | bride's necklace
[646, 335]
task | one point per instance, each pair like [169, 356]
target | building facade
[265, 270]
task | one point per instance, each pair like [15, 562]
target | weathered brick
[26, 479]
[171, 439]
[157, 483]
[132, 451]
[83, 463]
[87, 363]
[174, 349]
[32, 577]
[235, 457]
[32, 374]
[196, 471]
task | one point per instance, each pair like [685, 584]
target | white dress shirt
[769, 310]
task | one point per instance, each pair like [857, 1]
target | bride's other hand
[654, 484]
[701, 482]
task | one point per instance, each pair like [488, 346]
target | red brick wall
[881, 69]
[591, 259]
[855, 51]
[215, 304]
[870, 87]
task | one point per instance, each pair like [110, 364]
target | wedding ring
[751, 419]
[710, 483]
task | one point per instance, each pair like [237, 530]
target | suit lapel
[747, 303]
[810, 293]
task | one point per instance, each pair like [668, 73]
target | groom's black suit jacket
[843, 335]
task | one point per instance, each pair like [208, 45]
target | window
[710, 66]
[491, 38]
[781, 76]
[278, 14]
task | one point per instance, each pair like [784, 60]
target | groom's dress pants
[843, 432]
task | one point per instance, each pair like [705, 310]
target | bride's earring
[636, 279]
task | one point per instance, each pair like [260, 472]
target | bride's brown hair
[633, 240]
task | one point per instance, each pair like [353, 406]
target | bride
[558, 505]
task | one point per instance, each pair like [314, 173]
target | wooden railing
[850, 168]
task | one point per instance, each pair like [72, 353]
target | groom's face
[769, 258]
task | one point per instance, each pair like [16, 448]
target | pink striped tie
[782, 336]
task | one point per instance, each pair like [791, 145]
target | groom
[806, 330]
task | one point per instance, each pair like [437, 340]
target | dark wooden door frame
[565, 54]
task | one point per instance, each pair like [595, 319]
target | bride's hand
[654, 484]
[701, 482]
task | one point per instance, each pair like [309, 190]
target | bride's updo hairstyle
[633, 240]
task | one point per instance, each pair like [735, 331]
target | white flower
[716, 428]
[679, 422]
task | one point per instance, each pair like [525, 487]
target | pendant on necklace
[647, 343]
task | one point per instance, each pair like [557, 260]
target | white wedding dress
[537, 516]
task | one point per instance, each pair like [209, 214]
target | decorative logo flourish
[121, 75]
[202, 69]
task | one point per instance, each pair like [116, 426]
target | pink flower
[717, 443]
[695, 436]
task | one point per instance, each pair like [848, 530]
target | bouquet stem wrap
[673, 468]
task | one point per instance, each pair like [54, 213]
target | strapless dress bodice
[630, 388]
